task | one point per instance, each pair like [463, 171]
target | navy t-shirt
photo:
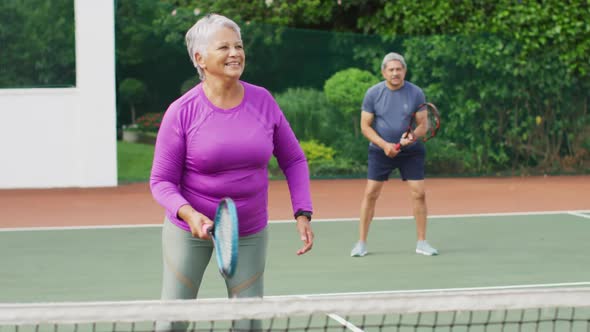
[393, 109]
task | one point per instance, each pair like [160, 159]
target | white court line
[442, 216]
[435, 290]
[502, 214]
[578, 214]
[67, 228]
[345, 323]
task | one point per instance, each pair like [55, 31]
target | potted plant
[131, 133]
[144, 130]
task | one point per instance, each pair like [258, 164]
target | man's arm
[421, 124]
[370, 133]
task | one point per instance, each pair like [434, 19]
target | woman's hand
[195, 221]
[306, 233]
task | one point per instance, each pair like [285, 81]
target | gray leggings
[185, 259]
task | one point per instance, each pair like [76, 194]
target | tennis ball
[538, 120]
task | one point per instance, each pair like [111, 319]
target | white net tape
[335, 308]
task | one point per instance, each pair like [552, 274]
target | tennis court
[480, 250]
[123, 263]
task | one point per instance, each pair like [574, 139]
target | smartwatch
[303, 213]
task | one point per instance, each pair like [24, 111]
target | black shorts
[409, 163]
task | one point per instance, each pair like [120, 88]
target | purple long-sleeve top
[204, 153]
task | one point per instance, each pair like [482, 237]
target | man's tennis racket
[432, 126]
[225, 236]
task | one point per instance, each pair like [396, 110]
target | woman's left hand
[306, 233]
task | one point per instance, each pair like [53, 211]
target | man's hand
[390, 150]
[407, 139]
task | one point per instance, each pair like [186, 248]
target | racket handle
[206, 229]
[398, 146]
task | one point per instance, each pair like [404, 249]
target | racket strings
[433, 122]
[223, 232]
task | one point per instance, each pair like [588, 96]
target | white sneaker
[423, 248]
[359, 250]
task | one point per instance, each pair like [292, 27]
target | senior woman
[216, 141]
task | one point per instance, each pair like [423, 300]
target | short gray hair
[391, 57]
[197, 37]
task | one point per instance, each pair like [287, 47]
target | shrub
[150, 122]
[323, 162]
[310, 115]
[446, 158]
[346, 89]
[316, 152]
[339, 167]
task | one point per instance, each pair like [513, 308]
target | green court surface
[124, 263]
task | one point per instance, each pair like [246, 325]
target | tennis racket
[432, 126]
[225, 236]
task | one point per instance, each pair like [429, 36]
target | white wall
[66, 137]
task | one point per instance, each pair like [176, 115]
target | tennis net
[548, 309]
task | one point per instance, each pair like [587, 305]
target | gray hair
[391, 57]
[199, 35]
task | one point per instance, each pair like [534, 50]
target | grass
[134, 161]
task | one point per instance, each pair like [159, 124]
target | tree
[37, 43]
[144, 53]
[189, 83]
[132, 91]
